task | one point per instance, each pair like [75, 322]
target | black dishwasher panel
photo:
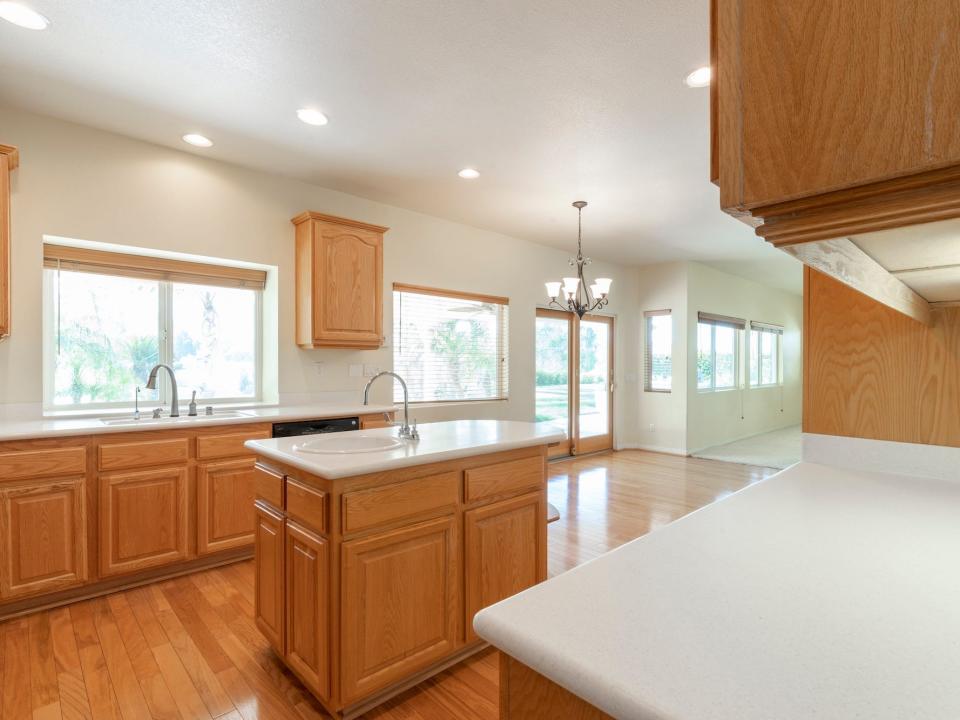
[315, 427]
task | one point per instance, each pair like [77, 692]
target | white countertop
[819, 593]
[438, 441]
[15, 428]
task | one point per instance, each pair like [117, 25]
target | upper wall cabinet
[9, 159]
[339, 282]
[834, 119]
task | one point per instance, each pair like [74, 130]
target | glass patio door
[554, 354]
[594, 402]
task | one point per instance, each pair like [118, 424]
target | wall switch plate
[318, 368]
[356, 370]
[652, 428]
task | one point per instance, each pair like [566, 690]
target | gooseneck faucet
[405, 430]
[152, 385]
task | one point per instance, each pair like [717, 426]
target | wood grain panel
[381, 505]
[212, 447]
[527, 695]
[269, 577]
[308, 505]
[308, 607]
[143, 453]
[871, 372]
[43, 463]
[225, 495]
[268, 485]
[9, 159]
[509, 478]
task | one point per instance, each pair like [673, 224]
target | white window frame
[757, 327]
[737, 326]
[166, 344]
[648, 317]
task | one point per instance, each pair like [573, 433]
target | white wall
[82, 183]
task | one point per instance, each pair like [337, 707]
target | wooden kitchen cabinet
[504, 551]
[339, 282]
[43, 536]
[143, 519]
[9, 160]
[269, 574]
[308, 607]
[225, 495]
[399, 604]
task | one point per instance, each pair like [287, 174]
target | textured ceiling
[552, 100]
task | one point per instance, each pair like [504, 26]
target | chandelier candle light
[578, 297]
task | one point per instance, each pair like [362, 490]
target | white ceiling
[552, 100]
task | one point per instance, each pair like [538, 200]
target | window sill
[658, 390]
[708, 391]
[765, 387]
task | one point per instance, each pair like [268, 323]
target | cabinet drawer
[308, 505]
[268, 485]
[125, 456]
[211, 447]
[43, 463]
[506, 478]
[378, 506]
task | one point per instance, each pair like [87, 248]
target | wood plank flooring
[187, 649]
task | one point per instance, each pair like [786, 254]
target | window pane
[552, 349]
[660, 338]
[755, 357]
[704, 356]
[594, 378]
[215, 341]
[768, 358]
[449, 348]
[726, 370]
[105, 338]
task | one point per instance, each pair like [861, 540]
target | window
[658, 362]
[718, 347]
[765, 354]
[449, 346]
[112, 316]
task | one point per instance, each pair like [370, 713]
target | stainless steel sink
[348, 443]
[149, 420]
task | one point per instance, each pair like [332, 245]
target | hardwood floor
[188, 648]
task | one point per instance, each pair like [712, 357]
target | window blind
[658, 366]
[721, 320]
[766, 327]
[144, 267]
[449, 345]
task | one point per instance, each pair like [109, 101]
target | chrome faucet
[405, 430]
[152, 385]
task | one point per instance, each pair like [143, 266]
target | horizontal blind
[450, 346]
[119, 264]
[766, 327]
[654, 366]
[723, 320]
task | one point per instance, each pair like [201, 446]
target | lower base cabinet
[44, 533]
[225, 495]
[308, 607]
[269, 575]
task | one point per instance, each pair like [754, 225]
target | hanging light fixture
[572, 294]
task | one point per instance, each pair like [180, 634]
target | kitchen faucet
[405, 430]
[152, 385]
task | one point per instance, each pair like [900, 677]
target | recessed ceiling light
[23, 16]
[311, 116]
[469, 174]
[197, 140]
[699, 77]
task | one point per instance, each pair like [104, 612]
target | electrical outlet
[318, 368]
[652, 427]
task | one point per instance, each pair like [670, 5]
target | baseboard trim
[655, 448]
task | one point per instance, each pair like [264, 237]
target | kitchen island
[373, 553]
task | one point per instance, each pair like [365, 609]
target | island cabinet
[380, 574]
[339, 282]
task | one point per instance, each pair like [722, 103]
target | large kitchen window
[450, 346]
[765, 341]
[718, 351]
[110, 317]
[658, 351]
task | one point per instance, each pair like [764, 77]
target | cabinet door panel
[505, 551]
[269, 577]
[143, 520]
[43, 537]
[351, 293]
[225, 495]
[399, 605]
[308, 607]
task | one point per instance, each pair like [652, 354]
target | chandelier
[576, 296]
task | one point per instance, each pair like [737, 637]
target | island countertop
[438, 442]
[818, 593]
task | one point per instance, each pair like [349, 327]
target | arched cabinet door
[339, 282]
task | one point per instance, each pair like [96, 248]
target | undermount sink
[147, 419]
[348, 442]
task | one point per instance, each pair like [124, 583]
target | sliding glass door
[574, 376]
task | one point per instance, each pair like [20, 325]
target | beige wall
[82, 183]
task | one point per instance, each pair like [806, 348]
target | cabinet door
[349, 301]
[268, 593]
[505, 551]
[43, 537]
[308, 607]
[399, 604]
[8, 161]
[143, 519]
[225, 495]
